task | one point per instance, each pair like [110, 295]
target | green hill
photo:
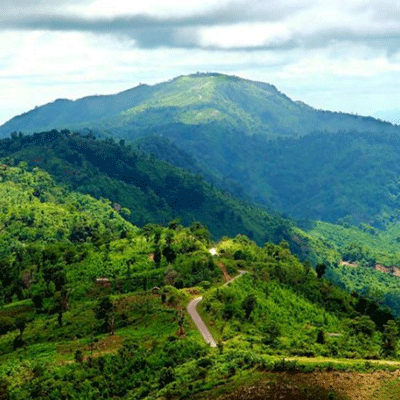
[219, 101]
[64, 334]
[147, 190]
[253, 139]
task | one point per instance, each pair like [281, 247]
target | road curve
[201, 326]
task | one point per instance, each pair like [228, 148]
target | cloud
[149, 31]
[313, 50]
[238, 25]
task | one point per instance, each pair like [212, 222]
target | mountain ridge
[242, 132]
[233, 102]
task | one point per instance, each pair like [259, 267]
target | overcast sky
[332, 54]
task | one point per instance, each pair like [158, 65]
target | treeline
[152, 190]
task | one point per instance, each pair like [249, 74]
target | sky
[331, 54]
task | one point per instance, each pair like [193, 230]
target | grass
[389, 390]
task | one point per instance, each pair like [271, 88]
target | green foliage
[355, 245]
[390, 337]
[276, 309]
[320, 269]
[241, 129]
[321, 337]
[152, 190]
[248, 304]
[55, 243]
[377, 287]
[362, 325]
[271, 332]
[104, 313]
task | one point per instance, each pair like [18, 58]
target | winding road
[201, 326]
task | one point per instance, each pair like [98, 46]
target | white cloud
[106, 8]
[332, 54]
[245, 35]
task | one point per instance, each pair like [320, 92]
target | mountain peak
[231, 102]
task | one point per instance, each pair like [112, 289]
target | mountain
[250, 139]
[145, 189]
[218, 101]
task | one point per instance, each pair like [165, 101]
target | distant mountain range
[222, 101]
[252, 139]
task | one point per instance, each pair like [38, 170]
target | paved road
[201, 326]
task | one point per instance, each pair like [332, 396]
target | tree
[78, 356]
[320, 269]
[38, 292]
[4, 389]
[249, 304]
[307, 267]
[271, 332]
[201, 232]
[168, 251]
[63, 304]
[321, 337]
[363, 325]
[104, 313]
[389, 339]
[174, 224]
[20, 324]
[170, 276]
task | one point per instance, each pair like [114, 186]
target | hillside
[218, 102]
[145, 189]
[248, 138]
[65, 336]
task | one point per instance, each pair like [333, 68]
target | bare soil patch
[317, 385]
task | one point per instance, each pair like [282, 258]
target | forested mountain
[209, 102]
[65, 334]
[248, 138]
[147, 190]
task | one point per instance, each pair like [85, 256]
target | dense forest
[334, 177]
[146, 189]
[139, 186]
[66, 334]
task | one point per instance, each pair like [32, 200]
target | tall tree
[390, 338]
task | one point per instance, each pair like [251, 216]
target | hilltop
[250, 139]
[209, 100]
